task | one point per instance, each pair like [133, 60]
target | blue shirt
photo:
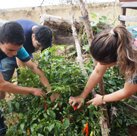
[27, 27]
[22, 54]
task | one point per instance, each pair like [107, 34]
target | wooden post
[104, 121]
[78, 48]
[86, 22]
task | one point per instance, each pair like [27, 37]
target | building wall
[34, 13]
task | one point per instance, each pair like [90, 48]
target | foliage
[122, 120]
[35, 116]
[98, 24]
[40, 116]
[120, 116]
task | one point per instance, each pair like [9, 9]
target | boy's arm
[25, 58]
[34, 67]
[12, 88]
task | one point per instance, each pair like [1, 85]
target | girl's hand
[97, 100]
[76, 101]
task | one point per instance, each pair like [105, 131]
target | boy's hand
[37, 92]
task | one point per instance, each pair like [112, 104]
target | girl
[109, 48]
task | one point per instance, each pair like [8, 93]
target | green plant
[37, 116]
[40, 116]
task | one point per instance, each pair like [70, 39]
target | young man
[36, 38]
[11, 40]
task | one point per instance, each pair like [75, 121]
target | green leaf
[40, 134]
[50, 127]
[22, 126]
[51, 113]
[66, 123]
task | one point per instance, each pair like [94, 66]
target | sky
[8, 4]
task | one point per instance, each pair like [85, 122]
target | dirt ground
[111, 10]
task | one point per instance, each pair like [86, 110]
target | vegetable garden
[53, 116]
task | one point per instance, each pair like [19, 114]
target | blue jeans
[7, 67]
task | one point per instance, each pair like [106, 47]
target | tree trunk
[86, 22]
[104, 121]
[78, 48]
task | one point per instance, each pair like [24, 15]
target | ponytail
[115, 45]
[126, 55]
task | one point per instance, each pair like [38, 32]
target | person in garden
[111, 47]
[36, 38]
[11, 40]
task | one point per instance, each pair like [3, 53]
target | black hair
[12, 32]
[43, 35]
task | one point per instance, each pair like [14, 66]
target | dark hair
[104, 47]
[12, 32]
[43, 35]
[115, 46]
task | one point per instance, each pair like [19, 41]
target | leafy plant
[35, 116]
[40, 116]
